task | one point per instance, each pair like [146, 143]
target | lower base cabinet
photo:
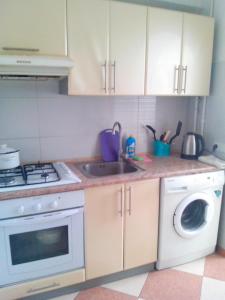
[21, 290]
[121, 227]
[104, 230]
[141, 223]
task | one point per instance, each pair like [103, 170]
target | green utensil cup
[161, 149]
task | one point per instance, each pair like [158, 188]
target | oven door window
[38, 245]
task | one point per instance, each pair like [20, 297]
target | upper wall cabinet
[198, 32]
[164, 51]
[179, 54]
[88, 46]
[33, 26]
[107, 41]
[127, 48]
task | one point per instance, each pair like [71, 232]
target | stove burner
[7, 180]
[13, 171]
[29, 174]
[29, 169]
[45, 175]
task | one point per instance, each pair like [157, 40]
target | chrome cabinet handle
[20, 49]
[130, 201]
[184, 82]
[121, 202]
[114, 76]
[176, 80]
[105, 74]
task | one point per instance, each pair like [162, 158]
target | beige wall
[215, 120]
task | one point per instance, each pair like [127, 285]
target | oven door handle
[42, 218]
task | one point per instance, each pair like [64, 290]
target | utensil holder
[161, 149]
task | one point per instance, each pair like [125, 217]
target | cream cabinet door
[88, 46]
[163, 51]
[141, 223]
[197, 50]
[104, 230]
[127, 48]
[46, 284]
[38, 26]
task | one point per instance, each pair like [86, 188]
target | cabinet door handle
[184, 76]
[20, 49]
[34, 290]
[130, 201]
[114, 76]
[176, 80]
[121, 202]
[105, 74]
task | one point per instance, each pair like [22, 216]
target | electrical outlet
[220, 150]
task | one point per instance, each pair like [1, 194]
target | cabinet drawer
[42, 285]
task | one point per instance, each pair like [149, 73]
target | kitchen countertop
[157, 168]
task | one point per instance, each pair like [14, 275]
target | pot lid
[4, 149]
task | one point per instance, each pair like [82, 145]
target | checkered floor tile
[203, 279]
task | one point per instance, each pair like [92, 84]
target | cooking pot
[9, 158]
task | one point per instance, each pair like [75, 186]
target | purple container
[110, 144]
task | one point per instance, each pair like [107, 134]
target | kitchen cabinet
[88, 46]
[164, 48]
[127, 48]
[198, 32]
[121, 227]
[104, 230]
[33, 27]
[179, 53]
[46, 284]
[141, 223]
[107, 46]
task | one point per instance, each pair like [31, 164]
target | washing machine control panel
[192, 183]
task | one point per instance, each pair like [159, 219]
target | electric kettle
[193, 146]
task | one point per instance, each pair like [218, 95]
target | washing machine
[189, 217]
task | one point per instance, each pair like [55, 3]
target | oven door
[41, 245]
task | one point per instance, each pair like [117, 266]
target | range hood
[34, 67]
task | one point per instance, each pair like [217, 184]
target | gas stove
[35, 176]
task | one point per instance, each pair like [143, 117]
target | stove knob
[54, 205]
[21, 210]
[38, 207]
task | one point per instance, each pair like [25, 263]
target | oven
[41, 243]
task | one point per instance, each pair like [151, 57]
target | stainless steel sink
[101, 169]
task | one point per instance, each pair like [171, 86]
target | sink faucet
[117, 124]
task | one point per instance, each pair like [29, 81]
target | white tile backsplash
[29, 148]
[69, 147]
[47, 88]
[49, 126]
[169, 110]
[58, 117]
[18, 118]
[146, 115]
[17, 89]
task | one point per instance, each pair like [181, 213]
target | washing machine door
[193, 215]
